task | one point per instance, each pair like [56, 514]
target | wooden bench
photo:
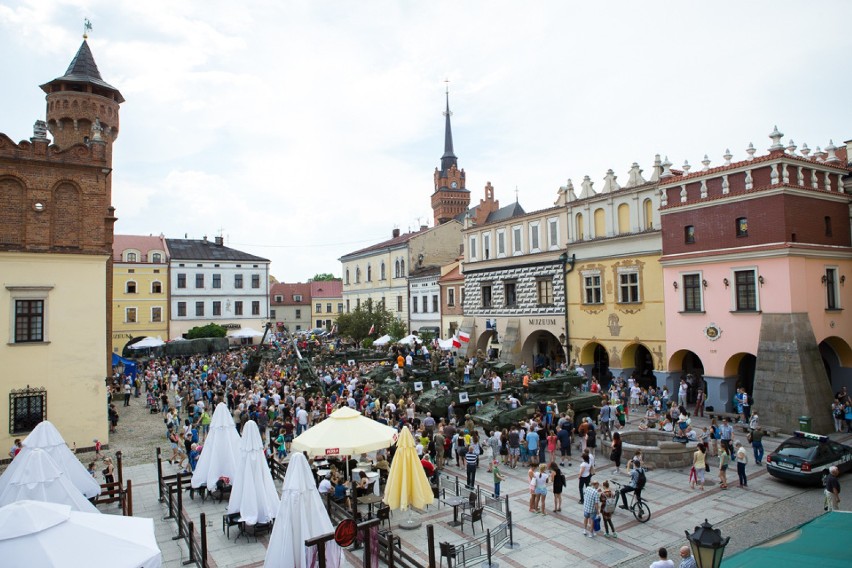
[731, 416]
[770, 431]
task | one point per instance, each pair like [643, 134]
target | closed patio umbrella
[221, 451]
[37, 477]
[253, 493]
[407, 485]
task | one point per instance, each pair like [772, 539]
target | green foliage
[209, 330]
[323, 277]
[367, 343]
[426, 336]
[357, 323]
[397, 329]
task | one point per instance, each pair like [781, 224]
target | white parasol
[220, 453]
[253, 493]
[37, 477]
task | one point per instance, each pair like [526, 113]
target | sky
[302, 130]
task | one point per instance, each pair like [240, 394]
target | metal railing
[170, 489]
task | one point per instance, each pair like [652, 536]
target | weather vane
[447, 91]
[87, 27]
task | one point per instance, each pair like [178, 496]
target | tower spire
[449, 158]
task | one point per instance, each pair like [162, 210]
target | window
[181, 309]
[156, 314]
[238, 308]
[340, 307]
[648, 209]
[129, 315]
[255, 281]
[742, 226]
[369, 273]
[156, 287]
[217, 280]
[217, 308]
[745, 291]
[181, 281]
[553, 234]
[399, 303]
[517, 242]
[544, 291]
[130, 287]
[255, 308]
[396, 269]
[501, 243]
[592, 288]
[486, 296]
[472, 247]
[347, 306]
[689, 234]
[347, 276]
[628, 286]
[382, 272]
[510, 290]
[131, 257]
[298, 314]
[402, 269]
[579, 229]
[199, 281]
[199, 309]
[534, 238]
[272, 313]
[297, 297]
[451, 297]
[827, 221]
[318, 308]
[425, 304]
[238, 281]
[414, 304]
[328, 307]
[29, 321]
[156, 258]
[832, 295]
[279, 298]
[486, 246]
[692, 293]
[27, 408]
[357, 275]
[462, 296]
[435, 303]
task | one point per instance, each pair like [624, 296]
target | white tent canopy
[37, 477]
[253, 493]
[383, 340]
[221, 451]
[345, 432]
[47, 534]
[47, 437]
[148, 342]
[409, 339]
[301, 516]
[245, 332]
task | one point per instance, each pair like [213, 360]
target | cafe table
[454, 501]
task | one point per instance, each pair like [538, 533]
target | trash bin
[805, 423]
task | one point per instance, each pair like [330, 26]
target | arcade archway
[643, 364]
[487, 344]
[742, 365]
[596, 355]
[689, 366]
[541, 349]
[837, 359]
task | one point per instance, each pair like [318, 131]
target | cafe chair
[383, 514]
[449, 551]
[228, 521]
[471, 502]
[257, 530]
[474, 516]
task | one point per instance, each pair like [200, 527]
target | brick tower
[451, 198]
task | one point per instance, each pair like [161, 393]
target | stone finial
[566, 194]
[819, 155]
[588, 190]
[791, 147]
[704, 188]
[776, 136]
[635, 175]
[40, 130]
[683, 195]
[726, 185]
[750, 151]
[667, 171]
[658, 168]
[686, 167]
[664, 197]
[749, 180]
[706, 163]
[610, 184]
[727, 156]
[805, 150]
[831, 149]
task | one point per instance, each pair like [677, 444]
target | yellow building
[140, 301]
[616, 317]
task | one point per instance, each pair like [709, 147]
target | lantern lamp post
[707, 545]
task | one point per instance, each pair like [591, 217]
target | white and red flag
[372, 329]
[464, 337]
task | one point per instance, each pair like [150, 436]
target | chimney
[424, 227]
[205, 238]
[220, 241]
[395, 233]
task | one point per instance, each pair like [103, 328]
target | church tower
[450, 198]
[81, 106]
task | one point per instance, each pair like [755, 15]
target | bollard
[160, 474]
[203, 540]
[189, 540]
[488, 545]
[171, 508]
[430, 543]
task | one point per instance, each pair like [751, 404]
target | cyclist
[636, 484]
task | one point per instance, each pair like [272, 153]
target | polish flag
[372, 329]
[464, 337]
[456, 343]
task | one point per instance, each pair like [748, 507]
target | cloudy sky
[303, 130]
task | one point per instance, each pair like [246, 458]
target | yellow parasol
[407, 485]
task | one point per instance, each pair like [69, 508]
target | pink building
[756, 254]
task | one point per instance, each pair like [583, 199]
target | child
[498, 477]
[98, 453]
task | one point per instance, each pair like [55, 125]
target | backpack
[610, 504]
[591, 438]
[641, 480]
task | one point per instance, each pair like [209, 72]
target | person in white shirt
[496, 383]
[664, 561]
[325, 486]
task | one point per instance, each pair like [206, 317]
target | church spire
[449, 159]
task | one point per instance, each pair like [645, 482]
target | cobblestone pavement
[767, 508]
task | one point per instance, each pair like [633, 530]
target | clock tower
[450, 198]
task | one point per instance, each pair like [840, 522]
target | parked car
[805, 458]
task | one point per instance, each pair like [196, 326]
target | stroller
[153, 403]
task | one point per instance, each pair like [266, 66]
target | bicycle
[638, 506]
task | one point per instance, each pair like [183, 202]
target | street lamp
[707, 545]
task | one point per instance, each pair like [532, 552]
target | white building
[211, 283]
[425, 300]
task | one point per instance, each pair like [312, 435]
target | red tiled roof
[452, 276]
[290, 290]
[327, 289]
[142, 243]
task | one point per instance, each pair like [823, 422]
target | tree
[357, 323]
[397, 329]
[323, 277]
[209, 330]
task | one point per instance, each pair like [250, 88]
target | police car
[805, 458]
